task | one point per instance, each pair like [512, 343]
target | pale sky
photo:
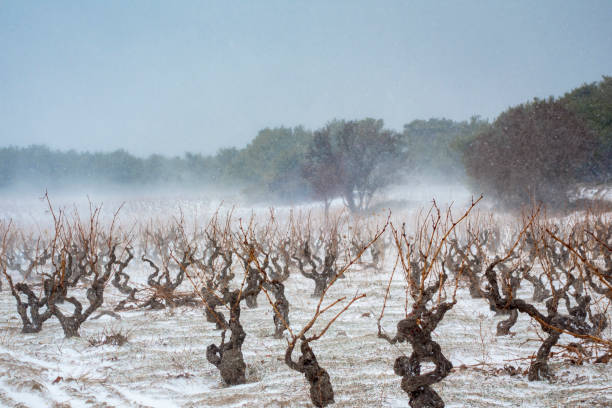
[169, 77]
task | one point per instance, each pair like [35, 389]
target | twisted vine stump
[30, 312]
[473, 255]
[163, 285]
[254, 277]
[511, 282]
[321, 391]
[100, 275]
[218, 279]
[281, 261]
[540, 292]
[470, 255]
[120, 281]
[253, 283]
[416, 329]
[553, 322]
[321, 271]
[280, 306]
[34, 311]
[213, 301]
[227, 357]
[424, 265]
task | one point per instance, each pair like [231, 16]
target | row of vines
[558, 272]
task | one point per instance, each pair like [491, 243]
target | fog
[209, 103]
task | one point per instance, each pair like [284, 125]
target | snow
[164, 364]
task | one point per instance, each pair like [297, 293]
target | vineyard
[430, 307]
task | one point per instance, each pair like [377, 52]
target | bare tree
[33, 310]
[81, 254]
[321, 390]
[317, 256]
[228, 357]
[555, 321]
[89, 256]
[351, 159]
[427, 310]
[161, 246]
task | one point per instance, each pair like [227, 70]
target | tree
[434, 146]
[534, 151]
[321, 169]
[352, 159]
[593, 103]
[273, 160]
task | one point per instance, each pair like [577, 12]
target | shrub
[532, 152]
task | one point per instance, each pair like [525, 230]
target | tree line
[536, 151]
[339, 159]
[541, 150]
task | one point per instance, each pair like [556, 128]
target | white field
[164, 363]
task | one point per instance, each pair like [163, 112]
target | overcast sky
[169, 77]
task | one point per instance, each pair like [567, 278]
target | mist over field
[267, 99]
[308, 203]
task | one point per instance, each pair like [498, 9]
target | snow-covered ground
[164, 363]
